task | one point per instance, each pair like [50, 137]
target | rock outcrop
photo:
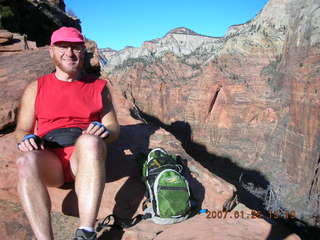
[35, 18]
[11, 43]
[17, 70]
[246, 106]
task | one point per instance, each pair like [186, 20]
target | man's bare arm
[26, 117]
[108, 119]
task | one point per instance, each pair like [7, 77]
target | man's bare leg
[36, 170]
[88, 165]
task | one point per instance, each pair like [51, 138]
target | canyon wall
[246, 105]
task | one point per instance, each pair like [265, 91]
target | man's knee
[91, 143]
[27, 164]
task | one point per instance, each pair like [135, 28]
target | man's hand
[30, 142]
[97, 129]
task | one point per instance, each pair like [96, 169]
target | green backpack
[167, 192]
[167, 189]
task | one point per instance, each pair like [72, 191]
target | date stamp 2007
[244, 215]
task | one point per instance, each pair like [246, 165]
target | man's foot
[82, 234]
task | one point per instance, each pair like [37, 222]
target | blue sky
[120, 23]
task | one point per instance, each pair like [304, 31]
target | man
[77, 111]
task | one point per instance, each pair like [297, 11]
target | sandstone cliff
[246, 106]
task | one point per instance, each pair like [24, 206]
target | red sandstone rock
[8, 173]
[93, 56]
[5, 36]
[238, 224]
[18, 46]
[46, 15]
[13, 222]
[243, 228]
[16, 71]
[13, 42]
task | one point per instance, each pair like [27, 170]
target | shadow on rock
[220, 166]
[121, 163]
[114, 234]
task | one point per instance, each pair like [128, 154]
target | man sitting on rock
[65, 120]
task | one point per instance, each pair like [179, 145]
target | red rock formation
[92, 57]
[5, 36]
[249, 102]
[16, 72]
[22, 16]
[10, 43]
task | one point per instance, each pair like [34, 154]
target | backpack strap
[120, 223]
[156, 171]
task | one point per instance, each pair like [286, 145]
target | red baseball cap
[67, 34]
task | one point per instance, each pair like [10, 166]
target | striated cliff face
[246, 106]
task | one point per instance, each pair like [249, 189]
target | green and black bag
[168, 194]
[167, 189]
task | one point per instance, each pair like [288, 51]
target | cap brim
[73, 40]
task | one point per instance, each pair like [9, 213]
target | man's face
[67, 56]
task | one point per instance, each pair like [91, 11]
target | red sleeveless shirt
[61, 104]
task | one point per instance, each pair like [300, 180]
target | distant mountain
[182, 30]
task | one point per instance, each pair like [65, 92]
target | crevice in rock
[315, 179]
[314, 193]
[7, 129]
[214, 99]
[135, 113]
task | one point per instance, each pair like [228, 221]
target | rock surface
[5, 36]
[14, 225]
[11, 43]
[245, 106]
[16, 71]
